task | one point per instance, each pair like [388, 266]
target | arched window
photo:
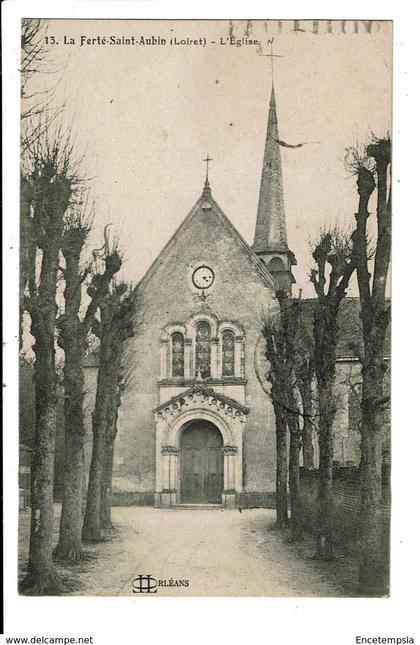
[228, 353]
[276, 264]
[177, 354]
[202, 349]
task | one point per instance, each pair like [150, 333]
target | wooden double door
[201, 464]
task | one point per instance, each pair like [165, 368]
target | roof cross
[207, 160]
[272, 56]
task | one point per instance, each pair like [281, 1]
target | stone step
[197, 507]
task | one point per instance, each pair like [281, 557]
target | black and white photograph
[205, 246]
[209, 410]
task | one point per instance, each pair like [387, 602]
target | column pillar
[170, 475]
[188, 359]
[214, 358]
[238, 356]
[229, 492]
[164, 363]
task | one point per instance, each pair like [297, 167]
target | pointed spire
[270, 231]
[206, 188]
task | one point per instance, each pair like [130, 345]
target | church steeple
[270, 232]
[270, 242]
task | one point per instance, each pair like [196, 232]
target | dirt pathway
[221, 553]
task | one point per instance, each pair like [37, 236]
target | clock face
[203, 277]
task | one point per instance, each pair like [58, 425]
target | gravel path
[221, 553]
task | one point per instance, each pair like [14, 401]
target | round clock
[203, 277]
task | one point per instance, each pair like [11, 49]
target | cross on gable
[207, 161]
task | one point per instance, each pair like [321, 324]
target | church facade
[195, 425]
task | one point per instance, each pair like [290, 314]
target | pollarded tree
[52, 177]
[297, 352]
[373, 171]
[125, 379]
[274, 334]
[116, 325]
[333, 269]
[34, 52]
[125, 320]
[73, 333]
[36, 119]
[304, 377]
[284, 336]
[105, 518]
[27, 246]
[37, 68]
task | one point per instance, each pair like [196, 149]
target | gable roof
[206, 391]
[207, 202]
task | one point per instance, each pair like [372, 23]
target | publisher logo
[148, 584]
[144, 584]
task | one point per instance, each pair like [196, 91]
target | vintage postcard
[205, 222]
[200, 262]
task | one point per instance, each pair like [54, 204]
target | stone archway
[198, 405]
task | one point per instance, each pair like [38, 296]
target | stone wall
[346, 504]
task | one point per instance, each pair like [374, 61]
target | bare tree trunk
[26, 248]
[332, 252]
[117, 319]
[41, 578]
[282, 351]
[281, 467]
[305, 389]
[372, 564]
[73, 334]
[92, 524]
[69, 547]
[72, 340]
[325, 332]
[98, 510]
[106, 486]
[375, 316]
[106, 481]
[324, 546]
[294, 475]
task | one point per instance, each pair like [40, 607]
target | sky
[145, 116]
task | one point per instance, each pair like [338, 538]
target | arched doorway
[201, 463]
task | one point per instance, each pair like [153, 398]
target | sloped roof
[206, 391]
[207, 202]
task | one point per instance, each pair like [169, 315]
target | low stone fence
[346, 504]
[130, 498]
